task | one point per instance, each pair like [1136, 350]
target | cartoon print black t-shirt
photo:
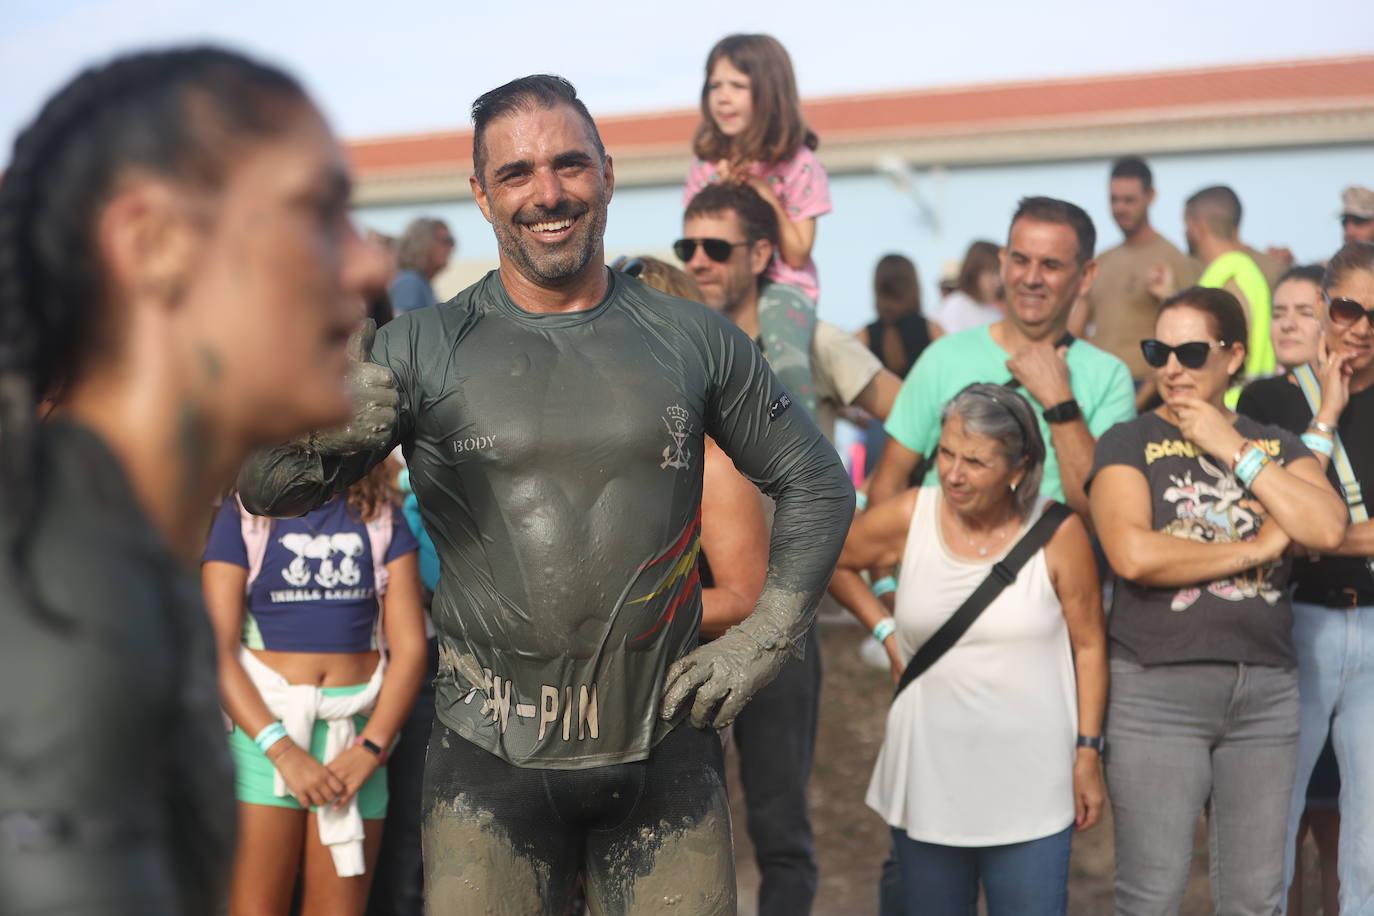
[1246, 617]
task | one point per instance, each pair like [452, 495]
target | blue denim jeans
[1184, 737]
[1336, 676]
[1019, 879]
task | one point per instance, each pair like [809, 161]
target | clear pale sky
[401, 66]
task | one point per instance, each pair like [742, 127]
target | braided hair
[180, 114]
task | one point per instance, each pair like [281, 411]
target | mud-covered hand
[375, 402]
[721, 676]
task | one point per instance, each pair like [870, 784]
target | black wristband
[1096, 742]
[1062, 412]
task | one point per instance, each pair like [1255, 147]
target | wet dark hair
[1225, 315]
[1134, 167]
[528, 93]
[1051, 210]
[1312, 273]
[757, 219]
[181, 114]
[1352, 256]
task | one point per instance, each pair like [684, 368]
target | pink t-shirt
[801, 185]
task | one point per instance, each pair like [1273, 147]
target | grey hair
[412, 251]
[999, 413]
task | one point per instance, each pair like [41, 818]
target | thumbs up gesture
[375, 401]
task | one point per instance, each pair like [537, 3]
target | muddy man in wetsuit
[552, 416]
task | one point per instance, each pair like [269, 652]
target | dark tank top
[915, 337]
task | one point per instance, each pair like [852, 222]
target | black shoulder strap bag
[1003, 573]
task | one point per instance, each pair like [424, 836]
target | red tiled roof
[961, 109]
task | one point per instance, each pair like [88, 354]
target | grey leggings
[1184, 737]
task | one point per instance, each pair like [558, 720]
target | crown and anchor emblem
[677, 455]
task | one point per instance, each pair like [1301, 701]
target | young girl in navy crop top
[322, 643]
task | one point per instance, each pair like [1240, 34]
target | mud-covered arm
[777, 446]
[292, 479]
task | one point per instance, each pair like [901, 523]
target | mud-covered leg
[674, 854]
[490, 846]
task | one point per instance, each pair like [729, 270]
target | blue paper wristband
[884, 585]
[860, 501]
[883, 629]
[1318, 443]
[270, 736]
[1250, 464]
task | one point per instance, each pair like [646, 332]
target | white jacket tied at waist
[298, 706]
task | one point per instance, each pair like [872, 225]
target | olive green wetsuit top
[558, 464]
[116, 790]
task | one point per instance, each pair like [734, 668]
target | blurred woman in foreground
[178, 276]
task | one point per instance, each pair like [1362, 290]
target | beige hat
[1358, 202]
[949, 271]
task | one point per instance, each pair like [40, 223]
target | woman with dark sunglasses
[1333, 605]
[1196, 508]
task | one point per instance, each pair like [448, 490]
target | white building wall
[1290, 196]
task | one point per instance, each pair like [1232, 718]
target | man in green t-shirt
[1078, 390]
[552, 416]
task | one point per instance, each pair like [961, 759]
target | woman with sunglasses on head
[1333, 605]
[178, 279]
[1196, 508]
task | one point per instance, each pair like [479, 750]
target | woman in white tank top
[981, 774]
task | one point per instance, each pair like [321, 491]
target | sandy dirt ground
[852, 841]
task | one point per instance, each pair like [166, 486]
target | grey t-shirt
[1242, 618]
[557, 462]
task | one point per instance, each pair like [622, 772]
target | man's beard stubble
[556, 266]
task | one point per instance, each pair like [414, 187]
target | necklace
[983, 549]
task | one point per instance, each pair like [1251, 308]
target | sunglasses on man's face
[717, 250]
[1191, 355]
[1350, 219]
[1348, 311]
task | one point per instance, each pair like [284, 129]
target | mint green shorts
[255, 774]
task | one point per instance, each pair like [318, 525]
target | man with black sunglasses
[1078, 390]
[730, 235]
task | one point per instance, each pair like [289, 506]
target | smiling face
[1356, 338]
[1042, 276]
[729, 98]
[278, 285]
[545, 192]
[1297, 323]
[975, 477]
[1183, 324]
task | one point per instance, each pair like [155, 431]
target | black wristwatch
[1096, 742]
[1062, 412]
